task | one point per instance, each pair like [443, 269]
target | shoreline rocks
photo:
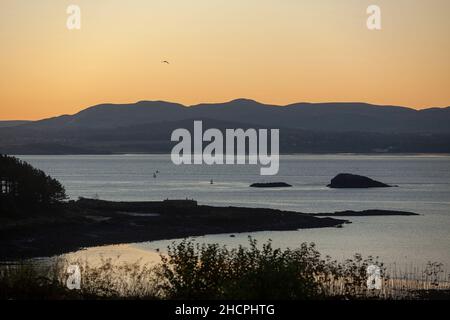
[90, 223]
[271, 185]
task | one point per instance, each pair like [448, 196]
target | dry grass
[399, 284]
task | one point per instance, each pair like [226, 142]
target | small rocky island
[271, 185]
[348, 180]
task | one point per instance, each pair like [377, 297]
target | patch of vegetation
[26, 281]
[23, 187]
[214, 272]
[107, 280]
[192, 271]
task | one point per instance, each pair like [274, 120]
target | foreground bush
[213, 272]
[192, 271]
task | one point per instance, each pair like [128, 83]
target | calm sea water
[423, 180]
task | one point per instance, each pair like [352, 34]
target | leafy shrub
[213, 272]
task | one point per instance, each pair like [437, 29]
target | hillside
[146, 127]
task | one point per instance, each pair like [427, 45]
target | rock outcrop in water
[347, 180]
[271, 185]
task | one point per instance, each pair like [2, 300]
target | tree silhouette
[21, 185]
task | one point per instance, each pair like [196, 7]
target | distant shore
[365, 213]
[159, 153]
[88, 222]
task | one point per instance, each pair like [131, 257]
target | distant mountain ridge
[145, 126]
[308, 116]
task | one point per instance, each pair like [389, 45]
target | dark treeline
[24, 187]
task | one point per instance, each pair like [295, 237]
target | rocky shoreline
[87, 223]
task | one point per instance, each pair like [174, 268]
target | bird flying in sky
[165, 61]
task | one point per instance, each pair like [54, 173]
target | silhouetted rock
[347, 180]
[271, 185]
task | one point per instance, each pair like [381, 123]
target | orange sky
[273, 51]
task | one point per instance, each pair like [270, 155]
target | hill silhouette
[146, 126]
